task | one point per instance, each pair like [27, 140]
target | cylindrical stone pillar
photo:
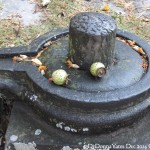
[92, 39]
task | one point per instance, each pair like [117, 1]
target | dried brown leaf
[36, 61]
[139, 49]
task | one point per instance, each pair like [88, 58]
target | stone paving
[22, 9]
[142, 7]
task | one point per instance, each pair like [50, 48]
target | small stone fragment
[60, 125]
[66, 148]
[42, 72]
[67, 128]
[24, 57]
[85, 129]
[23, 146]
[38, 132]
[13, 138]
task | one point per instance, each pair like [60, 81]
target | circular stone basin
[126, 71]
[86, 105]
[91, 105]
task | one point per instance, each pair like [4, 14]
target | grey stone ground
[142, 7]
[22, 9]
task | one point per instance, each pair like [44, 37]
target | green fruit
[97, 69]
[60, 77]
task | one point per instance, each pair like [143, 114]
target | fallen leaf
[146, 20]
[50, 79]
[145, 62]
[71, 65]
[36, 61]
[14, 58]
[139, 49]
[75, 66]
[17, 58]
[24, 56]
[131, 43]
[68, 61]
[121, 39]
[47, 43]
[42, 68]
[145, 65]
[39, 54]
[106, 8]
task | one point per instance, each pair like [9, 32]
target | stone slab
[24, 122]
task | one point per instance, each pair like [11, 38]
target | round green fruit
[97, 69]
[60, 77]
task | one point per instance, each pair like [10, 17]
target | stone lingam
[88, 109]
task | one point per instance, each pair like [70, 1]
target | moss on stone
[71, 49]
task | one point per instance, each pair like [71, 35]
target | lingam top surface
[93, 23]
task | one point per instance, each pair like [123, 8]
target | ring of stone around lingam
[73, 110]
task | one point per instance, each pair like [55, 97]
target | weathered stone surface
[92, 39]
[76, 110]
[127, 70]
[24, 122]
